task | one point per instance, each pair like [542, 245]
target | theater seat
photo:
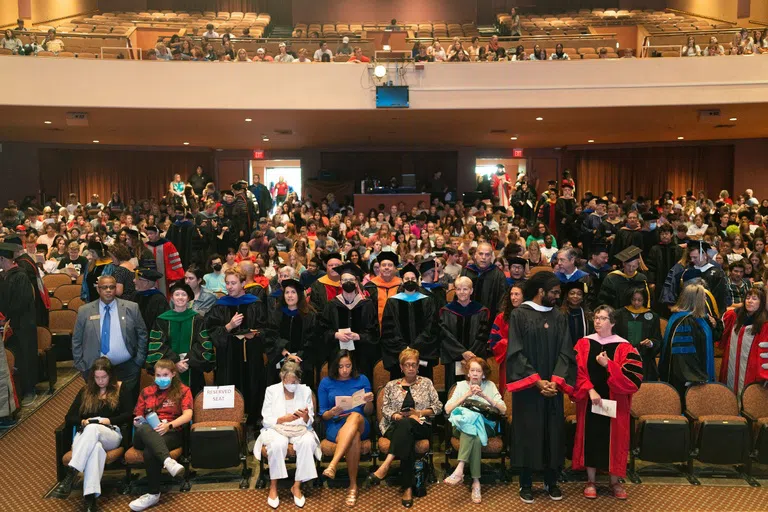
[135, 457]
[328, 448]
[754, 407]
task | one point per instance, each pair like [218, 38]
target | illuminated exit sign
[516, 153]
[258, 154]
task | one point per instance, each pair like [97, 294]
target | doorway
[487, 166]
[270, 172]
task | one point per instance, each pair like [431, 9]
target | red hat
[21, 227]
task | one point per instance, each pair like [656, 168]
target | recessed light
[734, 119]
[248, 119]
[265, 139]
[513, 138]
[539, 118]
[95, 142]
[591, 140]
[680, 138]
[47, 122]
[186, 143]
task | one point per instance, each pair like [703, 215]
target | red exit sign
[516, 153]
[258, 154]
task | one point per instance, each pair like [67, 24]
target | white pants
[277, 448]
[89, 453]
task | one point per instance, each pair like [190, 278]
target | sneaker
[526, 494]
[144, 502]
[555, 494]
[29, 400]
[590, 491]
[173, 467]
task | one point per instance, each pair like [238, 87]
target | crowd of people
[565, 294]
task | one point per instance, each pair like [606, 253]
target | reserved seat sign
[219, 397]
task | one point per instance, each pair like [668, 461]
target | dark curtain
[209, 5]
[650, 171]
[132, 174]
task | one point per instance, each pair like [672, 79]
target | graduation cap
[574, 285]
[631, 253]
[650, 215]
[8, 250]
[99, 248]
[388, 256]
[600, 200]
[13, 240]
[517, 260]
[131, 231]
[181, 285]
[410, 267]
[350, 268]
[41, 248]
[699, 245]
[150, 274]
[426, 266]
[292, 283]
[152, 228]
[566, 184]
[331, 256]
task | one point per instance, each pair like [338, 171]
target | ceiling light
[265, 138]
[95, 142]
[47, 122]
[248, 119]
[680, 138]
[513, 138]
[380, 71]
[186, 143]
[539, 118]
[591, 140]
[734, 119]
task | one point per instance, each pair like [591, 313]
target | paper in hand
[350, 402]
[346, 345]
[606, 408]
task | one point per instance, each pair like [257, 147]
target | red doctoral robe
[738, 372]
[501, 187]
[498, 342]
[602, 442]
[168, 262]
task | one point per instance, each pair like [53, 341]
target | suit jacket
[86, 339]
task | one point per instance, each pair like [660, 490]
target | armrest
[63, 439]
[186, 430]
[750, 419]
[691, 418]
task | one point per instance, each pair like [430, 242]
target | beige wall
[9, 11]
[758, 10]
[44, 10]
[722, 9]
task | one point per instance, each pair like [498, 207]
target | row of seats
[417, 29]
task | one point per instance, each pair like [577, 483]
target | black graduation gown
[626, 237]
[687, 353]
[489, 286]
[660, 260]
[540, 347]
[409, 323]
[296, 333]
[240, 362]
[644, 325]
[151, 304]
[322, 291]
[462, 328]
[438, 293]
[579, 325]
[565, 210]
[180, 235]
[597, 277]
[615, 289]
[17, 304]
[714, 280]
[28, 265]
[363, 320]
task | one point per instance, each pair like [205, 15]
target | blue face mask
[163, 382]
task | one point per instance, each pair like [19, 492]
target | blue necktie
[105, 329]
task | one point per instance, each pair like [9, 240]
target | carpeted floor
[27, 473]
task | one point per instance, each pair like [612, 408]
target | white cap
[260, 50]
[281, 45]
[345, 40]
[280, 229]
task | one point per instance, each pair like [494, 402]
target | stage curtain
[649, 171]
[132, 174]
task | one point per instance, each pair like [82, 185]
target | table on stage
[364, 202]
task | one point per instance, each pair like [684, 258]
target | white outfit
[306, 445]
[89, 454]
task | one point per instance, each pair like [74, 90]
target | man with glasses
[113, 328]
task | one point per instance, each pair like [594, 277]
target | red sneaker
[590, 491]
[618, 491]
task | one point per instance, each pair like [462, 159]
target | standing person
[166, 258]
[499, 338]
[151, 301]
[501, 186]
[198, 180]
[464, 331]
[608, 366]
[565, 214]
[262, 195]
[540, 365]
[430, 285]
[114, 328]
[640, 326]
[327, 287]
[745, 343]
[579, 317]
[617, 285]
[238, 327]
[29, 266]
[172, 402]
[695, 263]
[17, 304]
[203, 300]
[629, 235]
[661, 258]
[597, 267]
[385, 285]
[489, 284]
[281, 190]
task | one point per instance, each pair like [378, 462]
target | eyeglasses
[410, 365]
[107, 287]
[603, 318]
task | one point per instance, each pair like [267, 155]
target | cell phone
[93, 420]
[406, 410]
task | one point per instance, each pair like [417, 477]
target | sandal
[476, 497]
[454, 479]
[351, 498]
[590, 491]
[618, 491]
[330, 472]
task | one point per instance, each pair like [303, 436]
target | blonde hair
[408, 353]
[694, 299]
[235, 271]
[463, 280]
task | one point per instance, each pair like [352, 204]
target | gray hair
[291, 368]
[291, 271]
[608, 310]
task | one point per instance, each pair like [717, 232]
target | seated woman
[465, 425]
[346, 428]
[288, 415]
[244, 253]
[172, 402]
[410, 403]
[98, 411]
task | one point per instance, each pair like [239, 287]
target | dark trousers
[25, 351]
[526, 477]
[156, 449]
[403, 435]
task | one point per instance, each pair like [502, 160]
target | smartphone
[405, 410]
[93, 420]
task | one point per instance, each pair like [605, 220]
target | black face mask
[410, 286]
[217, 267]
[348, 287]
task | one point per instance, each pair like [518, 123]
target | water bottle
[152, 419]
[420, 489]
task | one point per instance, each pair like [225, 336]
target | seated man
[261, 56]
[344, 48]
[323, 50]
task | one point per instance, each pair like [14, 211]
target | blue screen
[392, 96]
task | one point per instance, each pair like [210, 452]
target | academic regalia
[501, 186]
[489, 286]
[687, 353]
[498, 342]
[297, 333]
[257, 290]
[661, 258]
[9, 402]
[626, 238]
[409, 321]
[362, 320]
[322, 291]
[540, 347]
[379, 291]
[602, 442]
[180, 235]
[240, 361]
[579, 325]
[714, 280]
[636, 325]
[462, 328]
[548, 215]
[616, 288]
[168, 262]
[565, 210]
[597, 276]
[578, 276]
[151, 303]
[609, 229]
[177, 333]
[42, 300]
[273, 299]
[17, 304]
[438, 293]
[745, 355]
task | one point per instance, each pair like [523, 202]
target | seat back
[236, 414]
[62, 321]
[754, 400]
[379, 403]
[450, 295]
[380, 375]
[56, 304]
[75, 304]
[43, 338]
[67, 292]
[656, 398]
[711, 398]
[438, 377]
[53, 281]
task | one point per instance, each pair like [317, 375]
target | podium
[396, 39]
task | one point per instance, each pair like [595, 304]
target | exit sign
[258, 154]
[516, 153]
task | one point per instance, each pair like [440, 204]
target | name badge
[94, 317]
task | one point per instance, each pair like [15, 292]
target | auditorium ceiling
[228, 129]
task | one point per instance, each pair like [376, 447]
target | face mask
[652, 226]
[291, 388]
[163, 382]
[348, 287]
[217, 267]
[410, 286]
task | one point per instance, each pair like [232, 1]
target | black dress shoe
[64, 488]
[90, 503]
[407, 503]
[371, 480]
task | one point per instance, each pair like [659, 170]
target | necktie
[105, 329]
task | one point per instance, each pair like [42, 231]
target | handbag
[488, 412]
[289, 431]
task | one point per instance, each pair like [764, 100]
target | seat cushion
[421, 447]
[495, 445]
[571, 418]
[328, 448]
[219, 424]
[134, 457]
[722, 417]
[112, 456]
[661, 417]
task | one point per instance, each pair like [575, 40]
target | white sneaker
[144, 502]
[173, 467]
